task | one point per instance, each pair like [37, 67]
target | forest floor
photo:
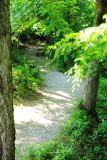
[37, 120]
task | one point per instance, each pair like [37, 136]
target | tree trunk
[92, 82]
[91, 90]
[7, 132]
[101, 9]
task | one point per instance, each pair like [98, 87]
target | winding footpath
[39, 119]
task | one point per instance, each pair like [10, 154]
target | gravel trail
[38, 120]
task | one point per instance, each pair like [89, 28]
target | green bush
[76, 51]
[26, 75]
[64, 52]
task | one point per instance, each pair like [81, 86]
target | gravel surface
[38, 120]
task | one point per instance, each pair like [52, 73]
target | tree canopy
[51, 18]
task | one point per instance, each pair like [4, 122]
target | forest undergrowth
[27, 76]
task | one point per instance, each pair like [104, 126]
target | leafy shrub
[64, 51]
[76, 51]
[26, 75]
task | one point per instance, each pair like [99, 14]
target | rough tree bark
[101, 9]
[92, 82]
[91, 90]
[7, 131]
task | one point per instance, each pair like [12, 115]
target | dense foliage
[26, 75]
[23, 14]
[51, 19]
[78, 50]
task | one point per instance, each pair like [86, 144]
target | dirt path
[38, 120]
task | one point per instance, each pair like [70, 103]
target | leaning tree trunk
[92, 82]
[7, 132]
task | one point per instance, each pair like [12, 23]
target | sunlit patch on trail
[30, 114]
